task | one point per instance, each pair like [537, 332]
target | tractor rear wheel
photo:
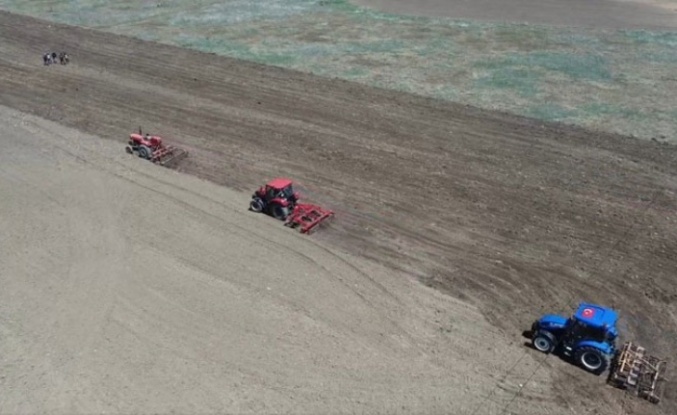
[279, 212]
[256, 205]
[544, 342]
[145, 152]
[592, 360]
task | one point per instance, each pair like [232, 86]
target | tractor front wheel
[256, 205]
[592, 360]
[544, 342]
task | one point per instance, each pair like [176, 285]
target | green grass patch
[579, 67]
[606, 110]
[642, 37]
[521, 81]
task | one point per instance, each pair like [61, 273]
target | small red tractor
[150, 147]
[279, 200]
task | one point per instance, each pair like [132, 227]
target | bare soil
[133, 289]
[504, 214]
[610, 14]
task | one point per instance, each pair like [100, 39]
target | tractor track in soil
[507, 213]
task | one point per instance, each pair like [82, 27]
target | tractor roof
[596, 315]
[279, 183]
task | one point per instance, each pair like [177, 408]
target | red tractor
[279, 200]
[150, 147]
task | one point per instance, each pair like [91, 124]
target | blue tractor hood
[552, 322]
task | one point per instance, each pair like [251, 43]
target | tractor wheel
[145, 152]
[256, 205]
[129, 150]
[279, 212]
[592, 360]
[544, 342]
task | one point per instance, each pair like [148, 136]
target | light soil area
[132, 288]
[613, 14]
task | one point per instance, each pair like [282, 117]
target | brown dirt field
[610, 14]
[506, 214]
[133, 289]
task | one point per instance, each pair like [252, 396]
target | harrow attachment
[168, 154]
[307, 217]
[635, 371]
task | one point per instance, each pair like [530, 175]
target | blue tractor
[588, 337]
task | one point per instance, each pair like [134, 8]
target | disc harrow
[638, 373]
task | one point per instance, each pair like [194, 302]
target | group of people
[51, 57]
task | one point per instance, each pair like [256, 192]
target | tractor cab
[588, 336]
[279, 189]
[594, 323]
